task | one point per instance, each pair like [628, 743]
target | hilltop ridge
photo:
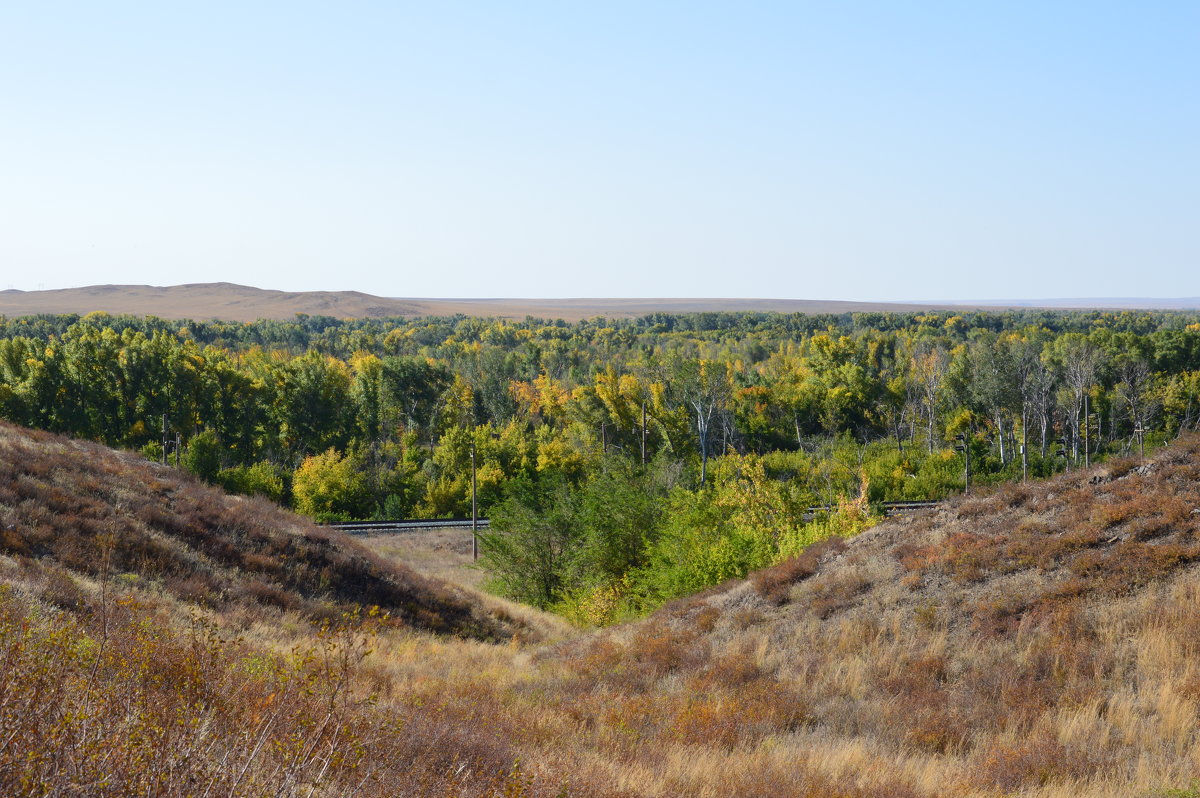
[75, 507]
[232, 302]
[1041, 638]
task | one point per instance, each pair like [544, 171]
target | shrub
[596, 606]
[61, 590]
[330, 487]
[1129, 566]
[203, 455]
[836, 594]
[1036, 762]
[261, 479]
[700, 547]
[659, 649]
[706, 618]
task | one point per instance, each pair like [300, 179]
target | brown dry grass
[445, 555]
[438, 552]
[81, 506]
[1041, 641]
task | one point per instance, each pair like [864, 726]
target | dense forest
[623, 462]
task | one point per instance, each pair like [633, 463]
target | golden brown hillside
[77, 508]
[1044, 638]
[1040, 641]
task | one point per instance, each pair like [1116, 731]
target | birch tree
[1077, 360]
[929, 366]
[705, 388]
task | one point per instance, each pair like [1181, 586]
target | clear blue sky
[863, 150]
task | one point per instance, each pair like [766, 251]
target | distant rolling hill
[231, 302]
[1122, 303]
[243, 303]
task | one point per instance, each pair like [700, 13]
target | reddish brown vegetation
[775, 583]
[1040, 640]
[115, 702]
[83, 507]
[1115, 533]
[985, 633]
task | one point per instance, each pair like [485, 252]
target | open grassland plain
[232, 302]
[243, 303]
[160, 638]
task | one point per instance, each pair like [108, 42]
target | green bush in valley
[699, 546]
[261, 479]
[532, 541]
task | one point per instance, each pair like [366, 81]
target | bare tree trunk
[1075, 412]
[1024, 443]
[1000, 436]
[929, 369]
[1186, 421]
[1045, 418]
[1080, 370]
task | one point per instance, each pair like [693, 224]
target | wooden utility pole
[474, 510]
[964, 446]
[1062, 452]
[643, 434]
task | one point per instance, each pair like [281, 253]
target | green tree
[203, 455]
[313, 404]
[618, 512]
[331, 487]
[533, 541]
[260, 479]
[698, 546]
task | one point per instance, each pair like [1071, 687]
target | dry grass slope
[1041, 641]
[77, 508]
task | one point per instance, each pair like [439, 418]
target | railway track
[889, 508]
[411, 524]
[406, 525]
